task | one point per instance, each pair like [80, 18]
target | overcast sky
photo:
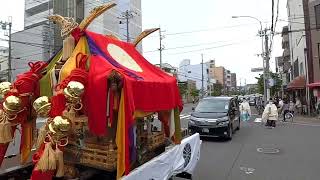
[202, 26]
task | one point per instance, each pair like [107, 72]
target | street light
[263, 60]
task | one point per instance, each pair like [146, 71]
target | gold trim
[144, 34]
[97, 11]
[66, 24]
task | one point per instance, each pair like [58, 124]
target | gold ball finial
[60, 126]
[42, 106]
[74, 91]
[12, 105]
[4, 88]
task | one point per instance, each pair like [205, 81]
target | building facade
[46, 35]
[211, 64]
[233, 81]
[297, 39]
[4, 52]
[219, 75]
[193, 72]
[227, 74]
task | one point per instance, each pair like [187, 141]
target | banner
[177, 159]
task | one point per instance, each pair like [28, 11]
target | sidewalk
[306, 119]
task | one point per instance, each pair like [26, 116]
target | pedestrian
[270, 114]
[291, 107]
[285, 109]
[298, 106]
[245, 110]
[280, 105]
[193, 100]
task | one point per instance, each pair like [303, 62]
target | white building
[297, 40]
[45, 36]
[193, 72]
[3, 63]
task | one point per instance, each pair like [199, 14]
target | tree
[273, 89]
[194, 92]
[217, 89]
[183, 87]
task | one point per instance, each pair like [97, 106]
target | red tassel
[58, 104]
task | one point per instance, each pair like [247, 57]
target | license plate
[205, 130]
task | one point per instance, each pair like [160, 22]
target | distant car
[215, 116]
[252, 101]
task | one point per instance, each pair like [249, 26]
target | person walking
[285, 109]
[291, 107]
[245, 110]
[270, 114]
[298, 106]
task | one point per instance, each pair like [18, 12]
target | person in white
[245, 110]
[298, 106]
[270, 114]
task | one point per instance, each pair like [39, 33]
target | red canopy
[297, 83]
[315, 84]
[148, 88]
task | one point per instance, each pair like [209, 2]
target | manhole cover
[268, 150]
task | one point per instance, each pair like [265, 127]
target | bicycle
[288, 116]
[260, 109]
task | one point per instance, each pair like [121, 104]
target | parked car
[215, 116]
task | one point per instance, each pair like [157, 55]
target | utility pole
[4, 27]
[267, 58]
[128, 14]
[202, 77]
[160, 47]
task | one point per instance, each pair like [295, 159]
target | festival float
[109, 113]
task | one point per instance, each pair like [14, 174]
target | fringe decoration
[48, 159]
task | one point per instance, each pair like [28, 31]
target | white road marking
[258, 120]
[247, 170]
[184, 116]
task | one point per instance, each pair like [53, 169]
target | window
[189, 71]
[211, 65]
[317, 15]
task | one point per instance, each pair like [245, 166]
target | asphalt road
[291, 152]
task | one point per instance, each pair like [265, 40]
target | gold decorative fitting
[97, 11]
[75, 88]
[66, 24]
[144, 34]
[60, 126]
[12, 105]
[73, 92]
[4, 88]
[42, 106]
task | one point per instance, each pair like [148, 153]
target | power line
[186, 46]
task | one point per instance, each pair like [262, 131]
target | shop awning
[315, 84]
[297, 83]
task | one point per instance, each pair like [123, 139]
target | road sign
[259, 69]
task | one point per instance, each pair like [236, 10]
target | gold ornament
[66, 24]
[4, 88]
[73, 92]
[60, 126]
[75, 88]
[42, 106]
[12, 105]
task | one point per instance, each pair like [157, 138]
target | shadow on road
[215, 139]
